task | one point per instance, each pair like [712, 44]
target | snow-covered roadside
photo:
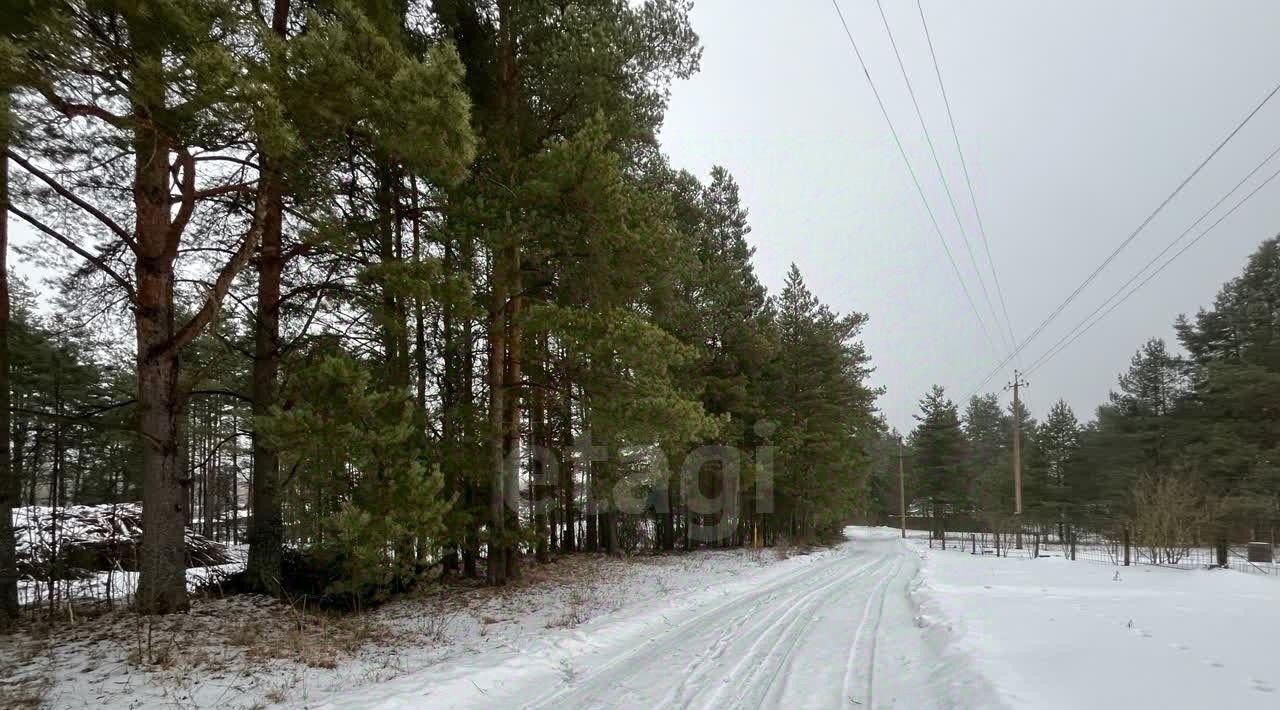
[876, 622]
[1051, 633]
[658, 597]
[835, 629]
[250, 652]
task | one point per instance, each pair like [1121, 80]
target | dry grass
[21, 697]
[315, 640]
[263, 651]
[27, 671]
[577, 610]
[246, 637]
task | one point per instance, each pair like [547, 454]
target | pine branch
[59, 188]
[96, 261]
[213, 303]
[74, 110]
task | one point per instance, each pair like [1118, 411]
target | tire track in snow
[761, 648]
[784, 668]
[603, 677]
[801, 614]
[701, 666]
[850, 664]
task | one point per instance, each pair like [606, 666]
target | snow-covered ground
[246, 652]
[829, 630]
[118, 588]
[874, 623]
[1051, 633]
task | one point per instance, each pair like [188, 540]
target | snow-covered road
[807, 639]
[833, 630]
[876, 622]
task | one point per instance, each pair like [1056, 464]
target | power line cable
[955, 212]
[1133, 235]
[964, 165]
[1049, 356]
[914, 178]
[1138, 274]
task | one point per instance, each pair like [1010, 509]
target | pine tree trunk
[471, 492]
[9, 484]
[449, 409]
[419, 317]
[394, 338]
[235, 481]
[266, 526]
[539, 444]
[162, 564]
[592, 541]
[511, 411]
[497, 567]
[568, 537]
[611, 532]
[668, 522]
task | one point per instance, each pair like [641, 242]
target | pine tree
[432, 278]
[352, 88]
[938, 453]
[989, 470]
[16, 18]
[817, 395]
[1058, 443]
[380, 512]
[715, 304]
[549, 142]
[1227, 423]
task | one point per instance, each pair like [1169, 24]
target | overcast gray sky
[1076, 118]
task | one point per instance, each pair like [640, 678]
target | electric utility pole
[902, 490]
[1016, 386]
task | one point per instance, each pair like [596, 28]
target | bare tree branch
[311, 317]
[74, 110]
[188, 193]
[238, 188]
[62, 190]
[96, 261]
[213, 303]
[224, 393]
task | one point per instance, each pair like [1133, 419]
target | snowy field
[874, 623]
[1051, 633]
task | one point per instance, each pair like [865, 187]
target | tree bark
[9, 485]
[162, 564]
[539, 445]
[497, 564]
[394, 336]
[471, 492]
[161, 398]
[419, 316]
[591, 543]
[569, 535]
[266, 526]
[449, 387]
[513, 372]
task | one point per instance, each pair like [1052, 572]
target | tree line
[1184, 452]
[387, 288]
